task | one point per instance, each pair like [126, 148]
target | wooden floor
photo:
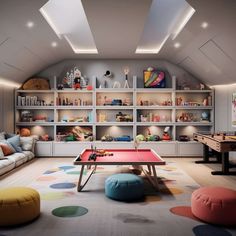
[201, 173]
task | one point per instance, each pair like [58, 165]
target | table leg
[152, 179]
[206, 158]
[155, 177]
[80, 185]
[149, 169]
[225, 166]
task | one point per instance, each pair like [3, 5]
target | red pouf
[215, 205]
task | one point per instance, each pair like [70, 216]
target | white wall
[223, 109]
[97, 67]
[6, 109]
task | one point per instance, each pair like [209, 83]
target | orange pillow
[6, 149]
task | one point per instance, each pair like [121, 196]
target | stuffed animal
[24, 132]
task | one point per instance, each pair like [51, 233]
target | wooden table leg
[79, 187]
[152, 179]
[155, 177]
[149, 169]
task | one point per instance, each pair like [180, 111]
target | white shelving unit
[149, 110]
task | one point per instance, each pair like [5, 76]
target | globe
[204, 115]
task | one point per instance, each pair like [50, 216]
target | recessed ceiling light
[54, 44]
[30, 24]
[177, 45]
[204, 25]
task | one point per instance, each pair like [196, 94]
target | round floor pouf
[18, 205]
[124, 187]
[215, 205]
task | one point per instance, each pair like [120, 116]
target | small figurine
[166, 136]
[76, 84]
[202, 86]
[126, 71]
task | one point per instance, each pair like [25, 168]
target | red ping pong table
[136, 157]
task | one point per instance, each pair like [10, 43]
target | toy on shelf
[102, 117]
[107, 138]
[83, 133]
[123, 138]
[184, 138]
[25, 132]
[205, 117]
[126, 71]
[120, 117]
[154, 79]
[116, 102]
[153, 137]
[39, 118]
[166, 135]
[45, 138]
[106, 76]
[74, 133]
[186, 117]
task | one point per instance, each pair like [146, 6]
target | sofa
[14, 151]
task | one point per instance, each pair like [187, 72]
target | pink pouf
[215, 205]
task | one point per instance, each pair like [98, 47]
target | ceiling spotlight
[30, 24]
[204, 25]
[177, 45]
[54, 44]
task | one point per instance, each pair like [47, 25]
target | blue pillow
[15, 142]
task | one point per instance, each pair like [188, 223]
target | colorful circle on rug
[70, 211]
[208, 230]
[51, 196]
[51, 171]
[152, 198]
[66, 167]
[166, 181]
[184, 211]
[76, 172]
[171, 191]
[46, 178]
[63, 185]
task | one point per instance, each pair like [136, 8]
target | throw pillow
[1, 154]
[2, 135]
[15, 142]
[8, 135]
[7, 150]
[27, 143]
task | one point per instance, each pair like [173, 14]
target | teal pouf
[124, 187]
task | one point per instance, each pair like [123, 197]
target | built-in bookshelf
[113, 117]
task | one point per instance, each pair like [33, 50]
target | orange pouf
[215, 205]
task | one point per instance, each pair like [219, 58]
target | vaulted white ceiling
[117, 26]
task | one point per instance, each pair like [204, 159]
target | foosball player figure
[223, 136]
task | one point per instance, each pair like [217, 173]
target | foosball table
[221, 144]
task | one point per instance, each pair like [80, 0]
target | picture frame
[154, 79]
